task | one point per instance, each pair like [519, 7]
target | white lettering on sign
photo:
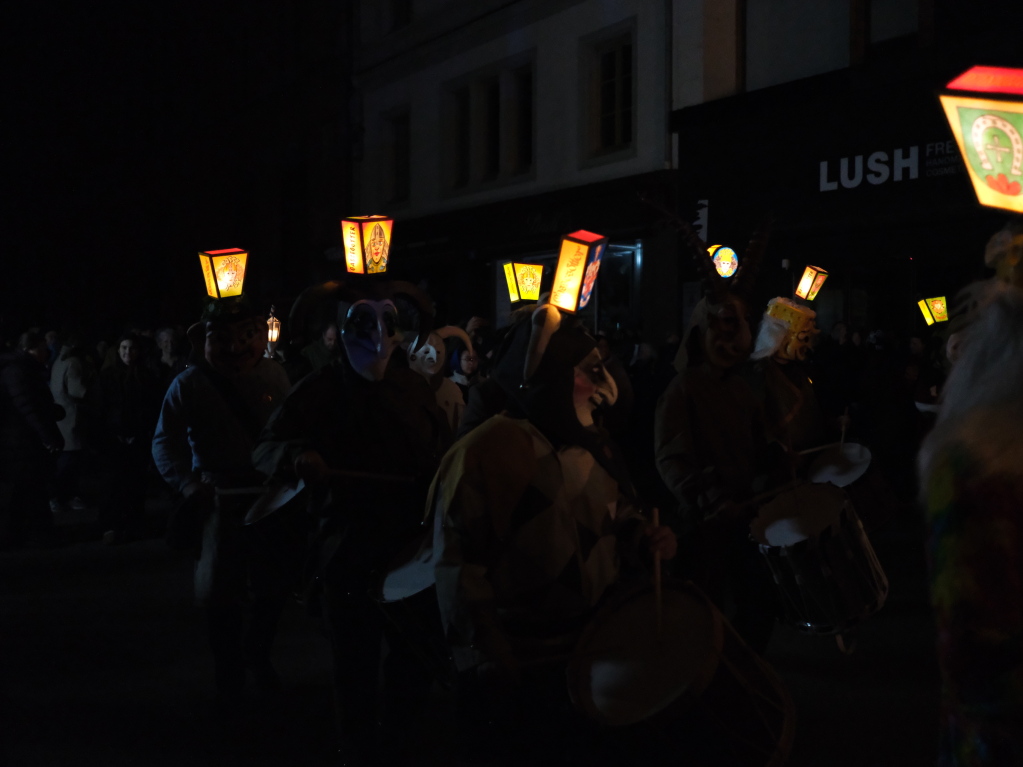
[904, 162]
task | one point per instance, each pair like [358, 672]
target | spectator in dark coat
[29, 437]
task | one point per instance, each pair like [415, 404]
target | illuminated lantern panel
[987, 122]
[725, 260]
[273, 328]
[224, 271]
[366, 241]
[578, 265]
[523, 281]
[811, 282]
[934, 309]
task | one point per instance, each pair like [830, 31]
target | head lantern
[428, 356]
[786, 332]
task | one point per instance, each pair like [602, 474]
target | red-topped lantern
[366, 241]
[811, 282]
[523, 281]
[578, 265]
[224, 271]
[984, 107]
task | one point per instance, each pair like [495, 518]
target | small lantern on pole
[811, 282]
[578, 265]
[224, 271]
[273, 333]
[726, 262]
[984, 107]
[933, 309]
[523, 281]
[366, 242]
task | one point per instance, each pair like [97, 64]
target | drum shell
[831, 581]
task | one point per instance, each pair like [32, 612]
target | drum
[850, 466]
[690, 687]
[408, 572]
[823, 565]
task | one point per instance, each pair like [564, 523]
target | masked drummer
[533, 525]
[365, 436]
[211, 416]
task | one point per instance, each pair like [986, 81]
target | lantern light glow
[224, 271]
[811, 282]
[934, 309]
[986, 118]
[726, 262]
[578, 266]
[523, 281]
[366, 242]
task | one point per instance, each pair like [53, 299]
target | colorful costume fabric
[975, 548]
[527, 540]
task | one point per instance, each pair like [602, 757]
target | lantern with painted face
[984, 107]
[428, 357]
[724, 259]
[366, 242]
[523, 281]
[811, 282]
[578, 265]
[224, 271]
[934, 309]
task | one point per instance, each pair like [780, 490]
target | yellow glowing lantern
[726, 262]
[523, 281]
[224, 271]
[366, 242]
[578, 265]
[810, 284]
[986, 117]
[273, 331]
[934, 309]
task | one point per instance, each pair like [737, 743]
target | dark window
[462, 134]
[524, 120]
[401, 13]
[402, 149]
[614, 96]
[492, 129]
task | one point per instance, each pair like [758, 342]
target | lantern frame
[578, 266]
[360, 245]
[224, 271]
[933, 309]
[983, 106]
[523, 281]
[811, 282]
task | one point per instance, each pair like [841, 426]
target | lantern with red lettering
[578, 265]
[523, 281]
[224, 271]
[984, 107]
[811, 282]
[366, 242]
[934, 309]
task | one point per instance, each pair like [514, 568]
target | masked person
[211, 416]
[712, 450]
[534, 522]
[365, 437]
[428, 360]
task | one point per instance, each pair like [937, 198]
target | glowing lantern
[366, 241]
[934, 309]
[523, 281]
[725, 260]
[988, 127]
[273, 332]
[578, 265]
[224, 271]
[810, 284]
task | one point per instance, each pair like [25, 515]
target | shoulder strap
[232, 397]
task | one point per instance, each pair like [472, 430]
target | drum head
[841, 465]
[798, 514]
[624, 670]
[411, 571]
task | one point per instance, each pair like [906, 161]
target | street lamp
[578, 265]
[366, 241]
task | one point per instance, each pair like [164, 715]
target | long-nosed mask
[427, 356]
[369, 335]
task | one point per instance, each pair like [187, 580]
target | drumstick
[657, 574]
[819, 448]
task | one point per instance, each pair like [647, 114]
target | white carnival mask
[428, 359]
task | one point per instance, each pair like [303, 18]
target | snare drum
[692, 687]
[823, 565]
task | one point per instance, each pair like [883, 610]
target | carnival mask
[428, 359]
[235, 348]
[369, 335]
[593, 387]
[727, 338]
[786, 332]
